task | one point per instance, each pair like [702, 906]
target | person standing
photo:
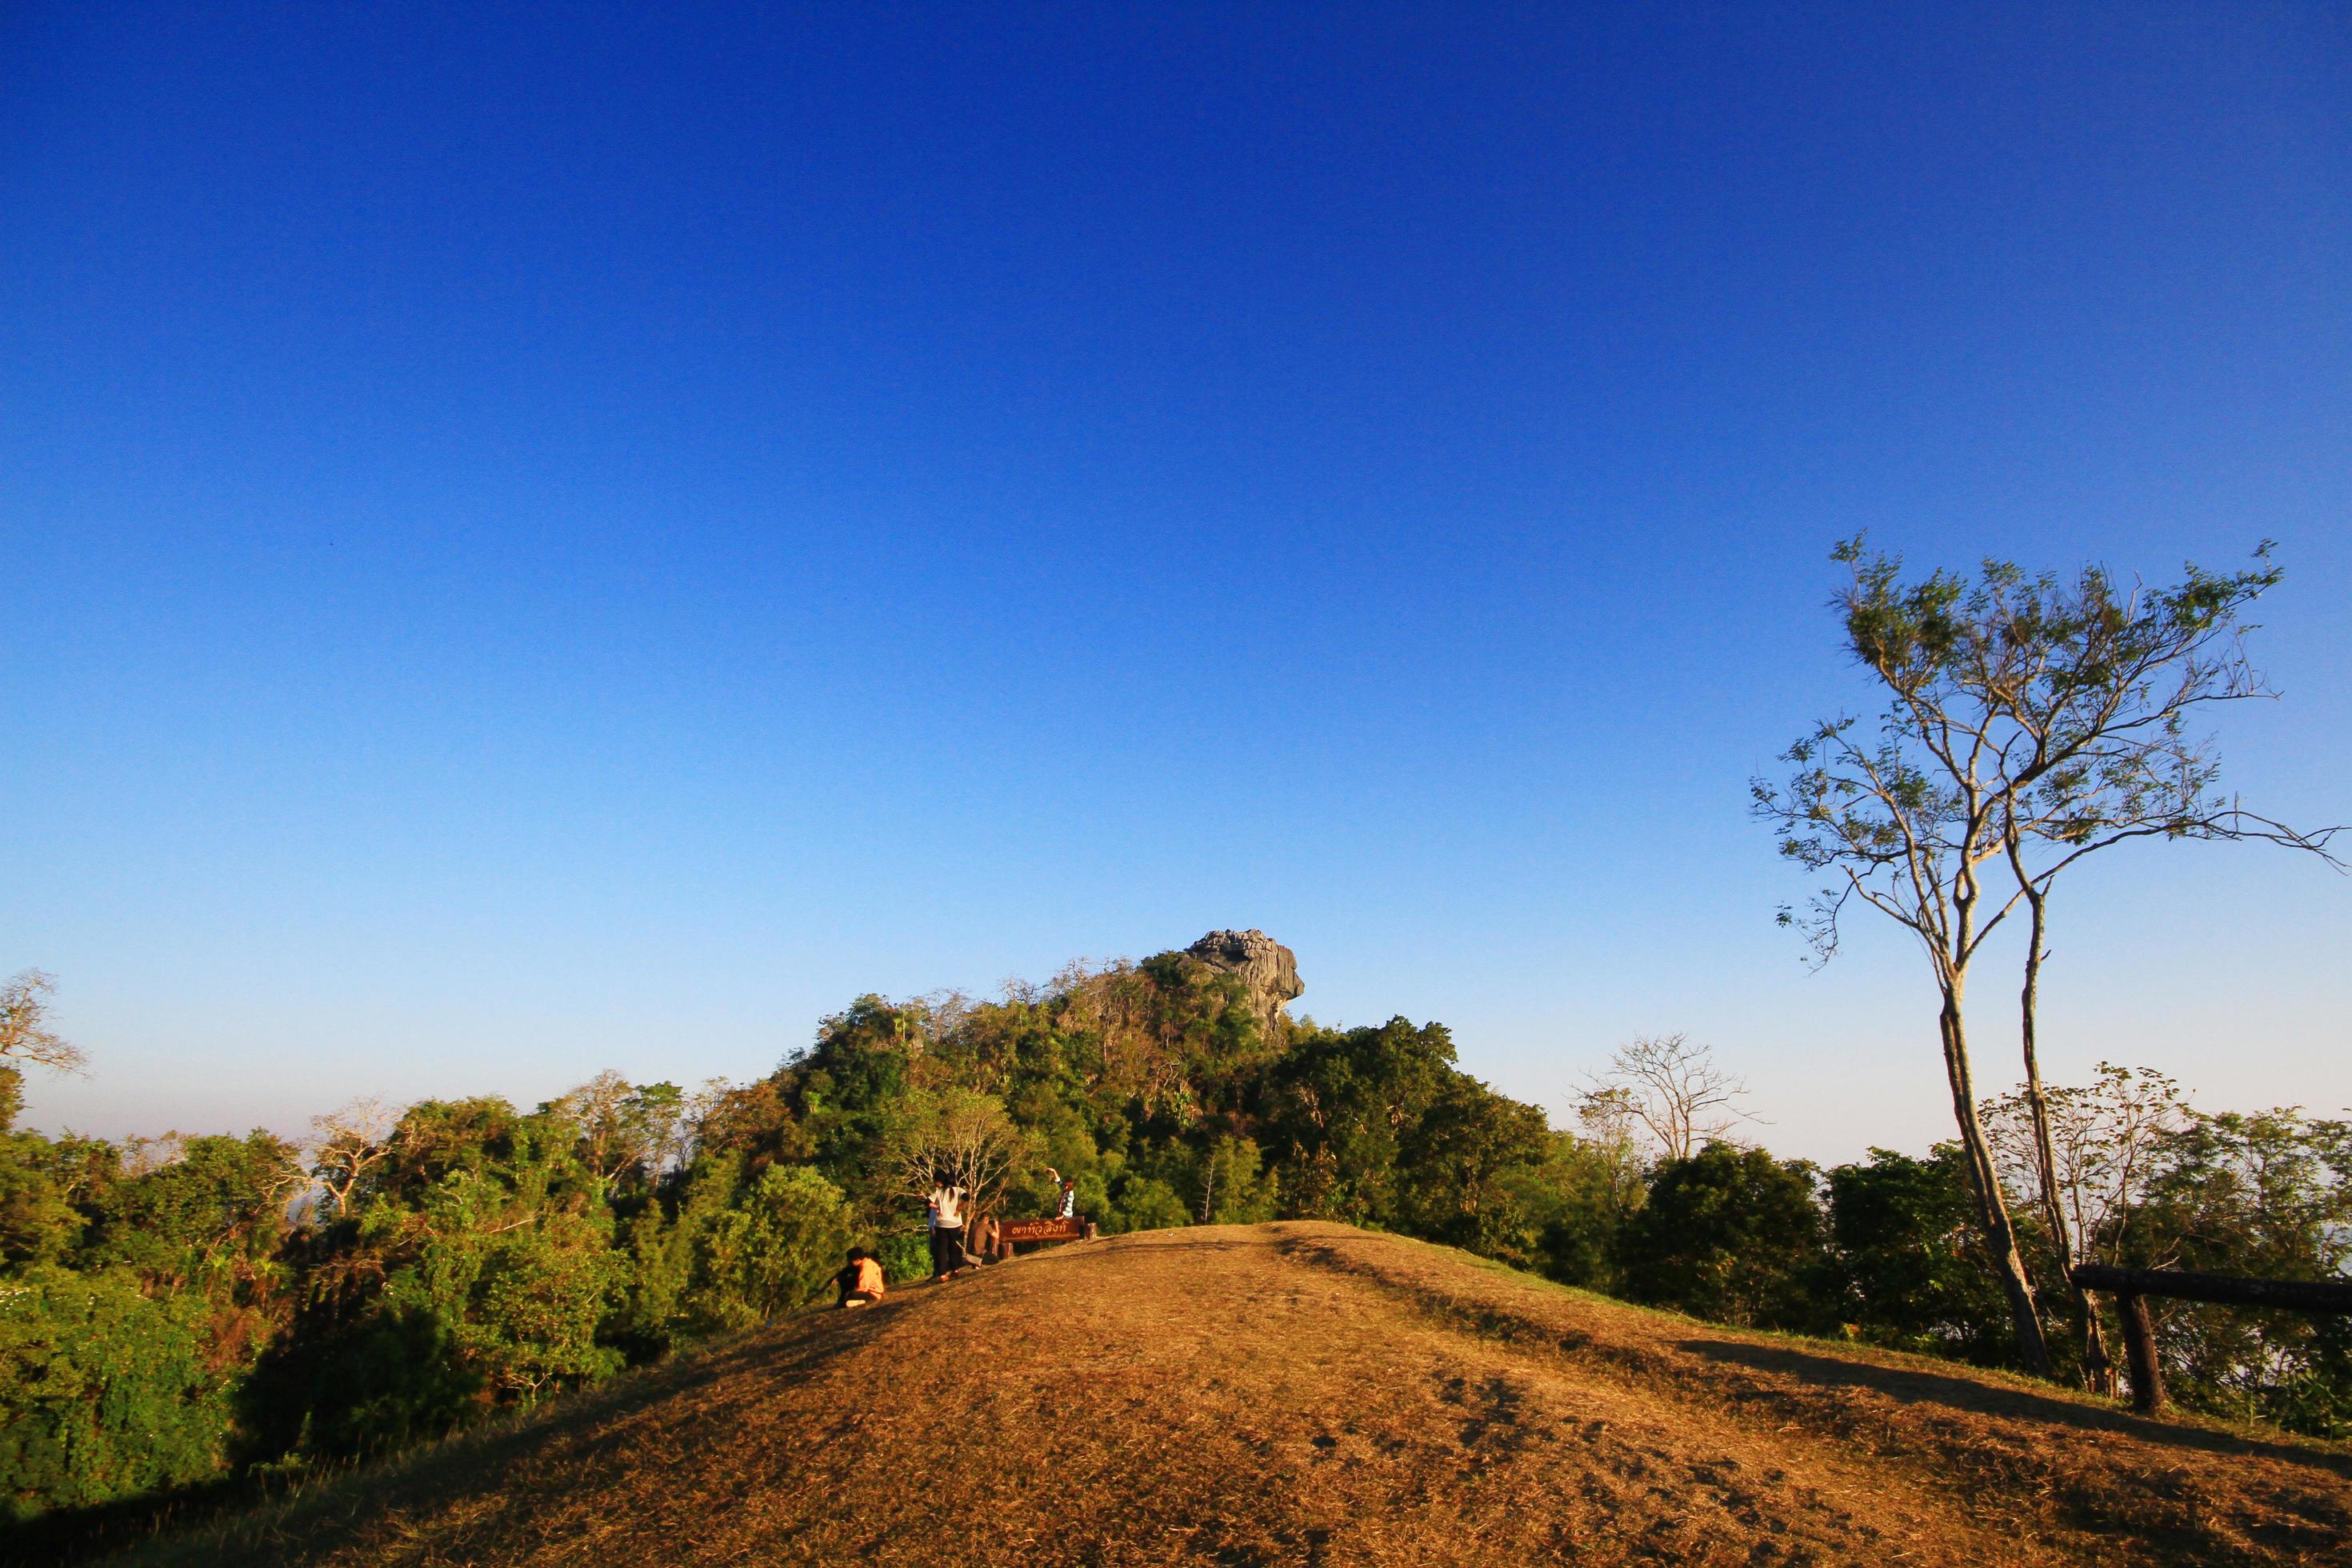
[945, 1208]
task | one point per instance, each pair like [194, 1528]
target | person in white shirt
[945, 1208]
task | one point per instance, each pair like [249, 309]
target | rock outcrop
[1268, 970]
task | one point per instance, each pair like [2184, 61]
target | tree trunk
[1993, 1209]
[2139, 1347]
[2099, 1370]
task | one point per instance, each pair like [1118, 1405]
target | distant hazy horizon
[585, 540]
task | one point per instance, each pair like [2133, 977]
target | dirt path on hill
[1309, 1393]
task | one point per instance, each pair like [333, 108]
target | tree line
[183, 1313]
[1890, 1250]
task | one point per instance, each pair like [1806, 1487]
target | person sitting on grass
[860, 1281]
[985, 1245]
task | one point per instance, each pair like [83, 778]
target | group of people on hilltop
[948, 1212]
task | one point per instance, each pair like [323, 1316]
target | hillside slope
[1303, 1392]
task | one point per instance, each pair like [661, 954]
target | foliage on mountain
[186, 1312]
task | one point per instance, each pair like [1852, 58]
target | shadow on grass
[1918, 1386]
[1821, 1370]
[584, 1426]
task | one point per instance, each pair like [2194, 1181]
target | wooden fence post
[2139, 1352]
[2132, 1287]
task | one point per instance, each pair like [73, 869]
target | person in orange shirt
[860, 1280]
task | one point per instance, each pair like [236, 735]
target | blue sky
[593, 538]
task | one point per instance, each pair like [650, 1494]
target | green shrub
[374, 1387]
[775, 1250]
[1236, 1185]
[905, 1256]
[1910, 1263]
[103, 1394]
[1730, 1234]
[1146, 1203]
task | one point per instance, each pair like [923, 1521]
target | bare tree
[24, 1032]
[624, 1127]
[143, 1156]
[701, 1109]
[961, 1137]
[1672, 1090]
[344, 1146]
[2102, 1142]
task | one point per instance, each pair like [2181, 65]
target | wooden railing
[2132, 1287]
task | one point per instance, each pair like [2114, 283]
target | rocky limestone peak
[1268, 970]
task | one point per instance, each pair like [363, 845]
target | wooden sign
[1043, 1230]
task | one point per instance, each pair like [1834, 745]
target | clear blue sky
[591, 538]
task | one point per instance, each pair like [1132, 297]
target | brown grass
[1309, 1393]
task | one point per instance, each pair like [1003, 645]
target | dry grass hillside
[1309, 1394]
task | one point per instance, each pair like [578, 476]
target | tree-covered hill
[203, 1317]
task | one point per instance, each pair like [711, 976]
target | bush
[105, 1393]
[1146, 1203]
[2267, 1194]
[1910, 1265]
[1732, 1234]
[774, 1251]
[1574, 1205]
[905, 1256]
[372, 1386]
[1238, 1188]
